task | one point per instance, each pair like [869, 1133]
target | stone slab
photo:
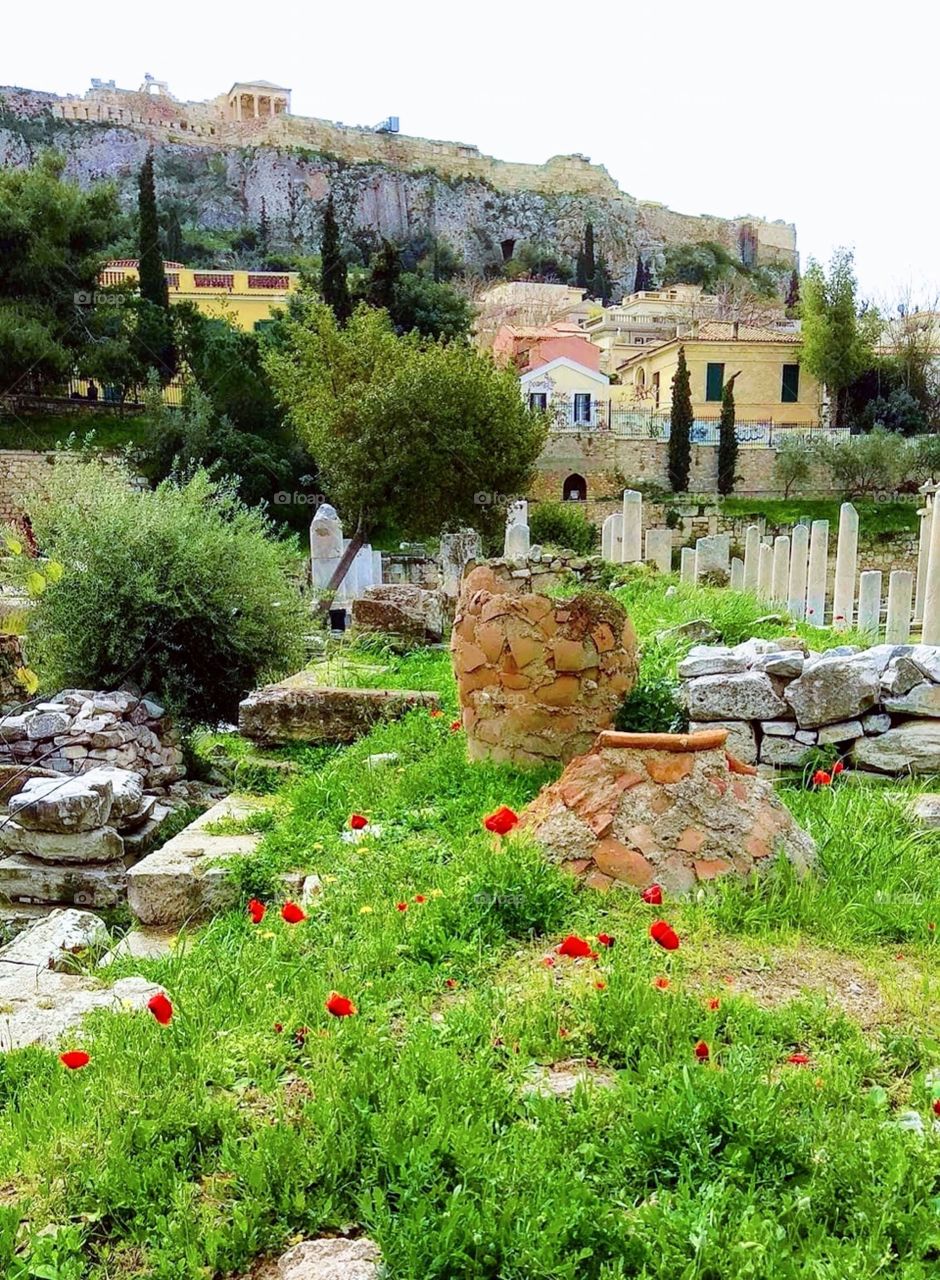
[41, 1007]
[331, 1259]
[749, 696]
[784, 752]
[741, 740]
[67, 804]
[843, 732]
[913, 746]
[710, 660]
[301, 710]
[81, 847]
[25, 879]
[186, 879]
[53, 942]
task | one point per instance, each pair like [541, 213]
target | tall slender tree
[155, 324]
[586, 266]
[727, 440]
[680, 427]
[641, 280]
[836, 333]
[334, 287]
[264, 228]
[601, 283]
[173, 237]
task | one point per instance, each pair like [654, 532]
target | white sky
[824, 114]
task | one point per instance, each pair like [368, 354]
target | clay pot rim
[702, 740]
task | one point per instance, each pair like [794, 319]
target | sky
[822, 114]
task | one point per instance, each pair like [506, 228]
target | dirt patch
[778, 974]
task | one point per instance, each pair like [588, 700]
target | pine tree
[680, 427]
[727, 441]
[334, 286]
[154, 324]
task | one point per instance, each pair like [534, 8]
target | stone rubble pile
[410, 615]
[71, 839]
[80, 729]
[664, 808]
[879, 705]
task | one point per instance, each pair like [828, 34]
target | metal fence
[645, 424]
[90, 391]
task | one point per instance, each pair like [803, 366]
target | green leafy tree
[562, 525]
[727, 440]
[53, 242]
[866, 464]
[154, 322]
[334, 285]
[706, 263]
[836, 339]
[385, 270]
[680, 427]
[182, 589]
[264, 228]
[793, 462]
[406, 432]
[432, 308]
[601, 285]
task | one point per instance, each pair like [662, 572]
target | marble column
[632, 526]
[923, 555]
[900, 590]
[611, 537]
[687, 565]
[869, 604]
[765, 571]
[751, 557]
[781, 569]
[796, 589]
[737, 574]
[659, 549]
[818, 570]
[843, 598]
[931, 627]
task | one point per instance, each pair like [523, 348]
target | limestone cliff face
[217, 175]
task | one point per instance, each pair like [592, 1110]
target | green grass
[183, 1152]
[103, 430]
[875, 519]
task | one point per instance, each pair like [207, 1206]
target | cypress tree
[642, 279]
[590, 266]
[264, 228]
[600, 284]
[727, 441]
[173, 240]
[333, 283]
[154, 323]
[793, 291]
[680, 427]
[383, 277]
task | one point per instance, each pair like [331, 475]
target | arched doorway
[574, 489]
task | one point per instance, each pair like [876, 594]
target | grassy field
[875, 519]
[104, 430]
[255, 1118]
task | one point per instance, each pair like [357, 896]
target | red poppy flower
[936, 1106]
[665, 935]
[702, 1051]
[292, 913]
[340, 1006]
[256, 910]
[821, 778]
[435, 712]
[74, 1059]
[564, 1032]
[653, 895]
[401, 906]
[161, 1009]
[300, 1036]
[279, 1027]
[714, 1003]
[548, 961]
[575, 947]
[502, 821]
[357, 821]
[606, 940]
[661, 983]
[838, 768]
[419, 898]
[798, 1059]
[450, 983]
[456, 726]
[931, 925]
[600, 985]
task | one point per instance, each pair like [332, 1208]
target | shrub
[652, 707]
[181, 589]
[877, 462]
[561, 524]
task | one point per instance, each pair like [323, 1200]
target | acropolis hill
[216, 160]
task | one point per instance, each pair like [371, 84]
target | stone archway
[574, 488]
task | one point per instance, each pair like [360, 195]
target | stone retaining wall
[879, 707]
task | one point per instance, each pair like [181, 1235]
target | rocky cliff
[217, 173]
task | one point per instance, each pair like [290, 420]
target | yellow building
[248, 298]
[770, 385]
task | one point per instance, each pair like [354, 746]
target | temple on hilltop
[153, 103]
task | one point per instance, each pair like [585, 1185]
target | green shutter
[790, 384]
[714, 381]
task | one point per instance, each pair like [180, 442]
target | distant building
[770, 387]
[249, 298]
[575, 394]
[526, 347]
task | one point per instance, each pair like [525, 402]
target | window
[714, 381]
[655, 390]
[790, 384]
[582, 406]
[574, 489]
[538, 400]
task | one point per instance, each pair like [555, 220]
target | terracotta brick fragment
[597, 880]
[660, 802]
[690, 841]
[758, 847]
[623, 863]
[490, 638]
[525, 650]
[739, 791]
[709, 868]
[510, 681]
[644, 839]
[671, 767]
[470, 656]
[561, 692]
[600, 823]
[576, 866]
[569, 655]
[603, 637]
